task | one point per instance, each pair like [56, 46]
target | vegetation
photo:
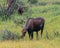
[11, 26]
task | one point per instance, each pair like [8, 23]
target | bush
[2, 13]
[33, 1]
[2, 10]
[8, 35]
[19, 21]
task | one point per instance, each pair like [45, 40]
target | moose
[33, 25]
[10, 6]
[20, 9]
[10, 2]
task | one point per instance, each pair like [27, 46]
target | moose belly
[36, 29]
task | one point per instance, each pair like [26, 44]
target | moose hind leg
[42, 27]
[41, 32]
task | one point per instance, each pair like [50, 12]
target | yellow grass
[30, 44]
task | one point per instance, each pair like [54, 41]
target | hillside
[50, 11]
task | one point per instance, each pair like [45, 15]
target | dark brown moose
[33, 25]
[20, 9]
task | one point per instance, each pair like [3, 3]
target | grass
[31, 44]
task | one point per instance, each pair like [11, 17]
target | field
[31, 44]
[51, 34]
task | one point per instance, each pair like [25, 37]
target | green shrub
[8, 35]
[2, 10]
[33, 1]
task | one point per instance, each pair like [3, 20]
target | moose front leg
[31, 35]
[41, 33]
